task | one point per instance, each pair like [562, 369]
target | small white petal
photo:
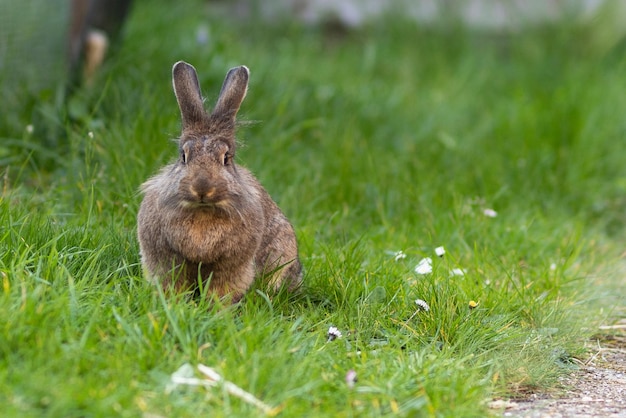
[29, 129]
[399, 255]
[90, 135]
[553, 266]
[425, 266]
[422, 305]
[490, 213]
[440, 251]
[351, 378]
[457, 272]
[333, 333]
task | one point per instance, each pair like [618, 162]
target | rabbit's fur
[203, 218]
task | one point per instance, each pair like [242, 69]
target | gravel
[597, 389]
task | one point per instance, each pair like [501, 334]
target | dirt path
[597, 389]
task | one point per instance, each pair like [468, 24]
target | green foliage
[386, 139]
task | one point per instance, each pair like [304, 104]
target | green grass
[390, 138]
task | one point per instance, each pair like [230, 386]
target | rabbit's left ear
[188, 95]
[233, 92]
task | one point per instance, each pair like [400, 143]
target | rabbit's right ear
[188, 95]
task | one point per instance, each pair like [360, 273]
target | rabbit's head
[205, 169]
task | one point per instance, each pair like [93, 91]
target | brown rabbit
[203, 218]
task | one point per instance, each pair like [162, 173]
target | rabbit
[204, 219]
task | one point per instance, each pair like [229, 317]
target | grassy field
[507, 150]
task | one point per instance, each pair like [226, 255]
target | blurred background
[43, 44]
[42, 41]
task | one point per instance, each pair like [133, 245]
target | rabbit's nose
[203, 189]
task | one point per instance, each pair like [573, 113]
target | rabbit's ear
[188, 95]
[233, 92]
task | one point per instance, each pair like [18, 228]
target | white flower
[333, 333]
[440, 251]
[425, 266]
[351, 378]
[399, 255]
[29, 129]
[490, 213]
[457, 272]
[421, 304]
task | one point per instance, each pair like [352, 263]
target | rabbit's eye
[226, 160]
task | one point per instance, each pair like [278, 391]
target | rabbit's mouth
[201, 204]
[222, 208]
[214, 204]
